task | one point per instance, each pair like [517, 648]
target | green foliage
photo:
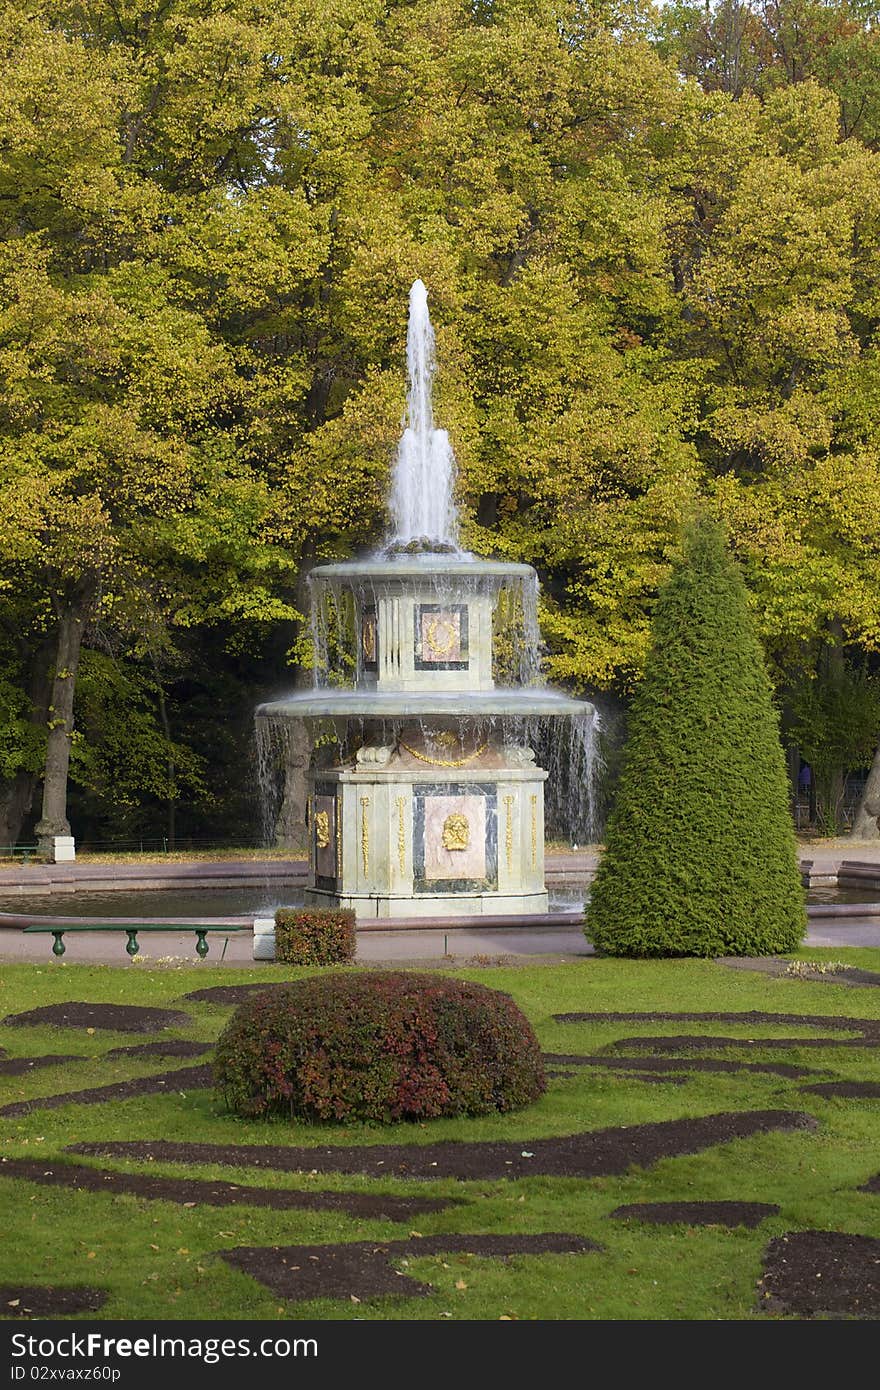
[309, 936]
[652, 245]
[836, 724]
[700, 857]
[379, 1046]
[122, 752]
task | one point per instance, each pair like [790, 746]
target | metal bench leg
[131, 945]
[201, 944]
[58, 947]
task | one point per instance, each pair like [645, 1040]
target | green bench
[133, 929]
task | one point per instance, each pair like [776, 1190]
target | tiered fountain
[425, 795]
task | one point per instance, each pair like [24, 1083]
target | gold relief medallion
[456, 831]
[368, 637]
[445, 738]
[322, 829]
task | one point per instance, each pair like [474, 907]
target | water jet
[426, 797]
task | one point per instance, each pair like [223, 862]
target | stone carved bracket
[520, 757]
[375, 755]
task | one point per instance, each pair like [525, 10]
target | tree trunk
[291, 832]
[833, 784]
[16, 800]
[171, 804]
[17, 797]
[71, 627]
[866, 825]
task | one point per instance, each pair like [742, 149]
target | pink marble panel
[441, 862]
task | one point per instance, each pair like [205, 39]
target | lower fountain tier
[522, 703]
[434, 842]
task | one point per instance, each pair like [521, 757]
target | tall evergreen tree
[701, 856]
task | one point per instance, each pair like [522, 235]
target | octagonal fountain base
[409, 832]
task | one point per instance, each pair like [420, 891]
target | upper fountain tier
[425, 635]
[424, 629]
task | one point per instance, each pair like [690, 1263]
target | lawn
[159, 1259]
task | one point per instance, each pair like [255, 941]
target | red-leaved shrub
[314, 936]
[379, 1046]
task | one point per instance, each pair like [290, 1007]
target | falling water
[421, 502]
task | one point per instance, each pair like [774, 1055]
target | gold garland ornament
[445, 762]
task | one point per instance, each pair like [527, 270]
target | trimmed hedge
[313, 936]
[700, 856]
[379, 1046]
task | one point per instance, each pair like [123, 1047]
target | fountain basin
[322, 703]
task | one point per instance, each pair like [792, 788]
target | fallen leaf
[90, 1255]
[460, 1284]
[353, 1299]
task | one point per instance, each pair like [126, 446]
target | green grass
[158, 1260]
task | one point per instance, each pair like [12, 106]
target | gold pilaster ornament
[322, 829]
[508, 833]
[401, 833]
[365, 835]
[456, 831]
[339, 837]
[534, 832]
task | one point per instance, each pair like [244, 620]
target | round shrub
[379, 1046]
[314, 936]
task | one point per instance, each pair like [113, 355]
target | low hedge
[382, 1046]
[314, 936]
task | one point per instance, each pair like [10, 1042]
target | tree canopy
[650, 239]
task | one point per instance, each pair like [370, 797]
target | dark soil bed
[44, 1301]
[365, 1269]
[872, 1185]
[198, 1077]
[671, 1064]
[233, 994]
[731, 1214]
[868, 1090]
[194, 1192]
[174, 1047]
[117, 1018]
[19, 1066]
[707, 1042]
[592, 1154]
[867, 1027]
[651, 1077]
[775, 967]
[811, 1273]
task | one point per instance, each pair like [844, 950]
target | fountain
[426, 798]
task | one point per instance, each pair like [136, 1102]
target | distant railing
[140, 844]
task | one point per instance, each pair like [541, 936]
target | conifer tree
[701, 856]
